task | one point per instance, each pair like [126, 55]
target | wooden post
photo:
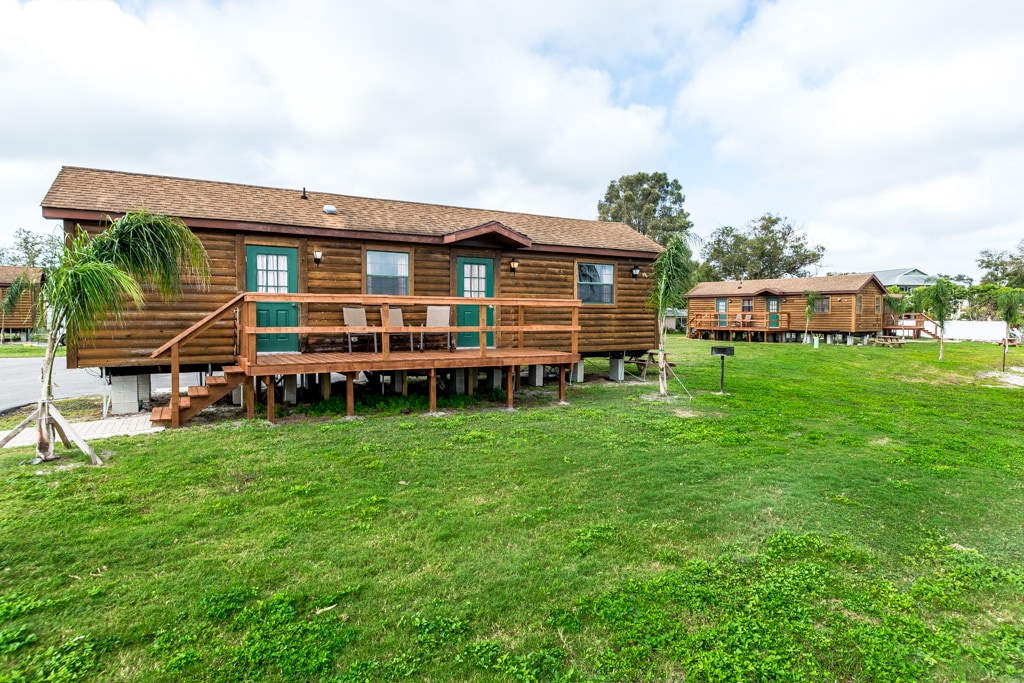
[385, 336]
[325, 385]
[175, 388]
[269, 381]
[249, 396]
[471, 375]
[432, 382]
[561, 383]
[521, 316]
[510, 385]
[575, 324]
[350, 393]
[250, 339]
[483, 335]
[405, 382]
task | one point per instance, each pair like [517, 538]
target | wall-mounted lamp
[318, 256]
[783, 301]
[635, 271]
[513, 265]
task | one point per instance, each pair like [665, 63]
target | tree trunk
[942, 341]
[662, 364]
[45, 435]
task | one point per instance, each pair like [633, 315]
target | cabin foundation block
[462, 375]
[145, 387]
[291, 389]
[535, 376]
[124, 394]
[576, 372]
[616, 369]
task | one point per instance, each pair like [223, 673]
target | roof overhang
[492, 231]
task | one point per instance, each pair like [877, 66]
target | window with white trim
[595, 283]
[387, 272]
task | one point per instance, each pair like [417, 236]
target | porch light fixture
[513, 265]
[635, 272]
[318, 256]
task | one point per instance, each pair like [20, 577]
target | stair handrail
[199, 327]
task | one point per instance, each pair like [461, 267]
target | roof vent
[330, 209]
[303, 194]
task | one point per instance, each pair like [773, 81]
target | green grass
[839, 514]
[20, 350]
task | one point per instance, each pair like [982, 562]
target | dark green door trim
[475, 278]
[280, 273]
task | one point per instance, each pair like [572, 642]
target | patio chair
[747, 318]
[438, 316]
[738, 321]
[356, 317]
[395, 320]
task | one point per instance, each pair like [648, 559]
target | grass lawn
[846, 513]
[20, 350]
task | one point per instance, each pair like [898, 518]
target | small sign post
[722, 352]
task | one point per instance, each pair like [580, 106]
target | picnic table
[883, 340]
[644, 361]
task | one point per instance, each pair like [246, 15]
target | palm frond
[21, 284]
[673, 274]
[154, 249]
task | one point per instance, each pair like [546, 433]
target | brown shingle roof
[795, 286]
[8, 273]
[113, 192]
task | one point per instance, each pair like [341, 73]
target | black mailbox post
[722, 352]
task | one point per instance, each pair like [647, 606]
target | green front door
[721, 308]
[274, 269]
[476, 280]
[772, 307]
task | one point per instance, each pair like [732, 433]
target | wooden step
[233, 370]
[215, 380]
[160, 414]
[184, 402]
[199, 391]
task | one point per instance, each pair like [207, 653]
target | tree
[19, 285]
[769, 247]
[1009, 302]
[98, 279]
[897, 302]
[673, 274]
[1003, 268]
[32, 250]
[649, 203]
[939, 301]
[810, 299]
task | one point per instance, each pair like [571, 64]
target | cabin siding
[625, 325]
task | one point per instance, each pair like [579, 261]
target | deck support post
[350, 393]
[175, 388]
[561, 382]
[325, 386]
[405, 382]
[269, 381]
[432, 383]
[510, 385]
[249, 397]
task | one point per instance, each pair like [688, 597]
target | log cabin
[850, 306]
[554, 290]
[26, 314]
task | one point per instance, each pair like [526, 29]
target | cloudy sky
[892, 132]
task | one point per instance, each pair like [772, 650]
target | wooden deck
[269, 365]
[253, 366]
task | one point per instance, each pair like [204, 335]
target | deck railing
[745, 322]
[243, 307]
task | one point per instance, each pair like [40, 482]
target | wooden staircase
[199, 397]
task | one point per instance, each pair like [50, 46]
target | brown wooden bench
[888, 341]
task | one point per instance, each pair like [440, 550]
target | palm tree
[811, 298]
[19, 285]
[97, 279]
[940, 300]
[1008, 303]
[673, 273]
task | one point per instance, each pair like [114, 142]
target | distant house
[907, 279]
[773, 310]
[25, 316]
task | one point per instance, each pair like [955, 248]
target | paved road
[20, 381]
